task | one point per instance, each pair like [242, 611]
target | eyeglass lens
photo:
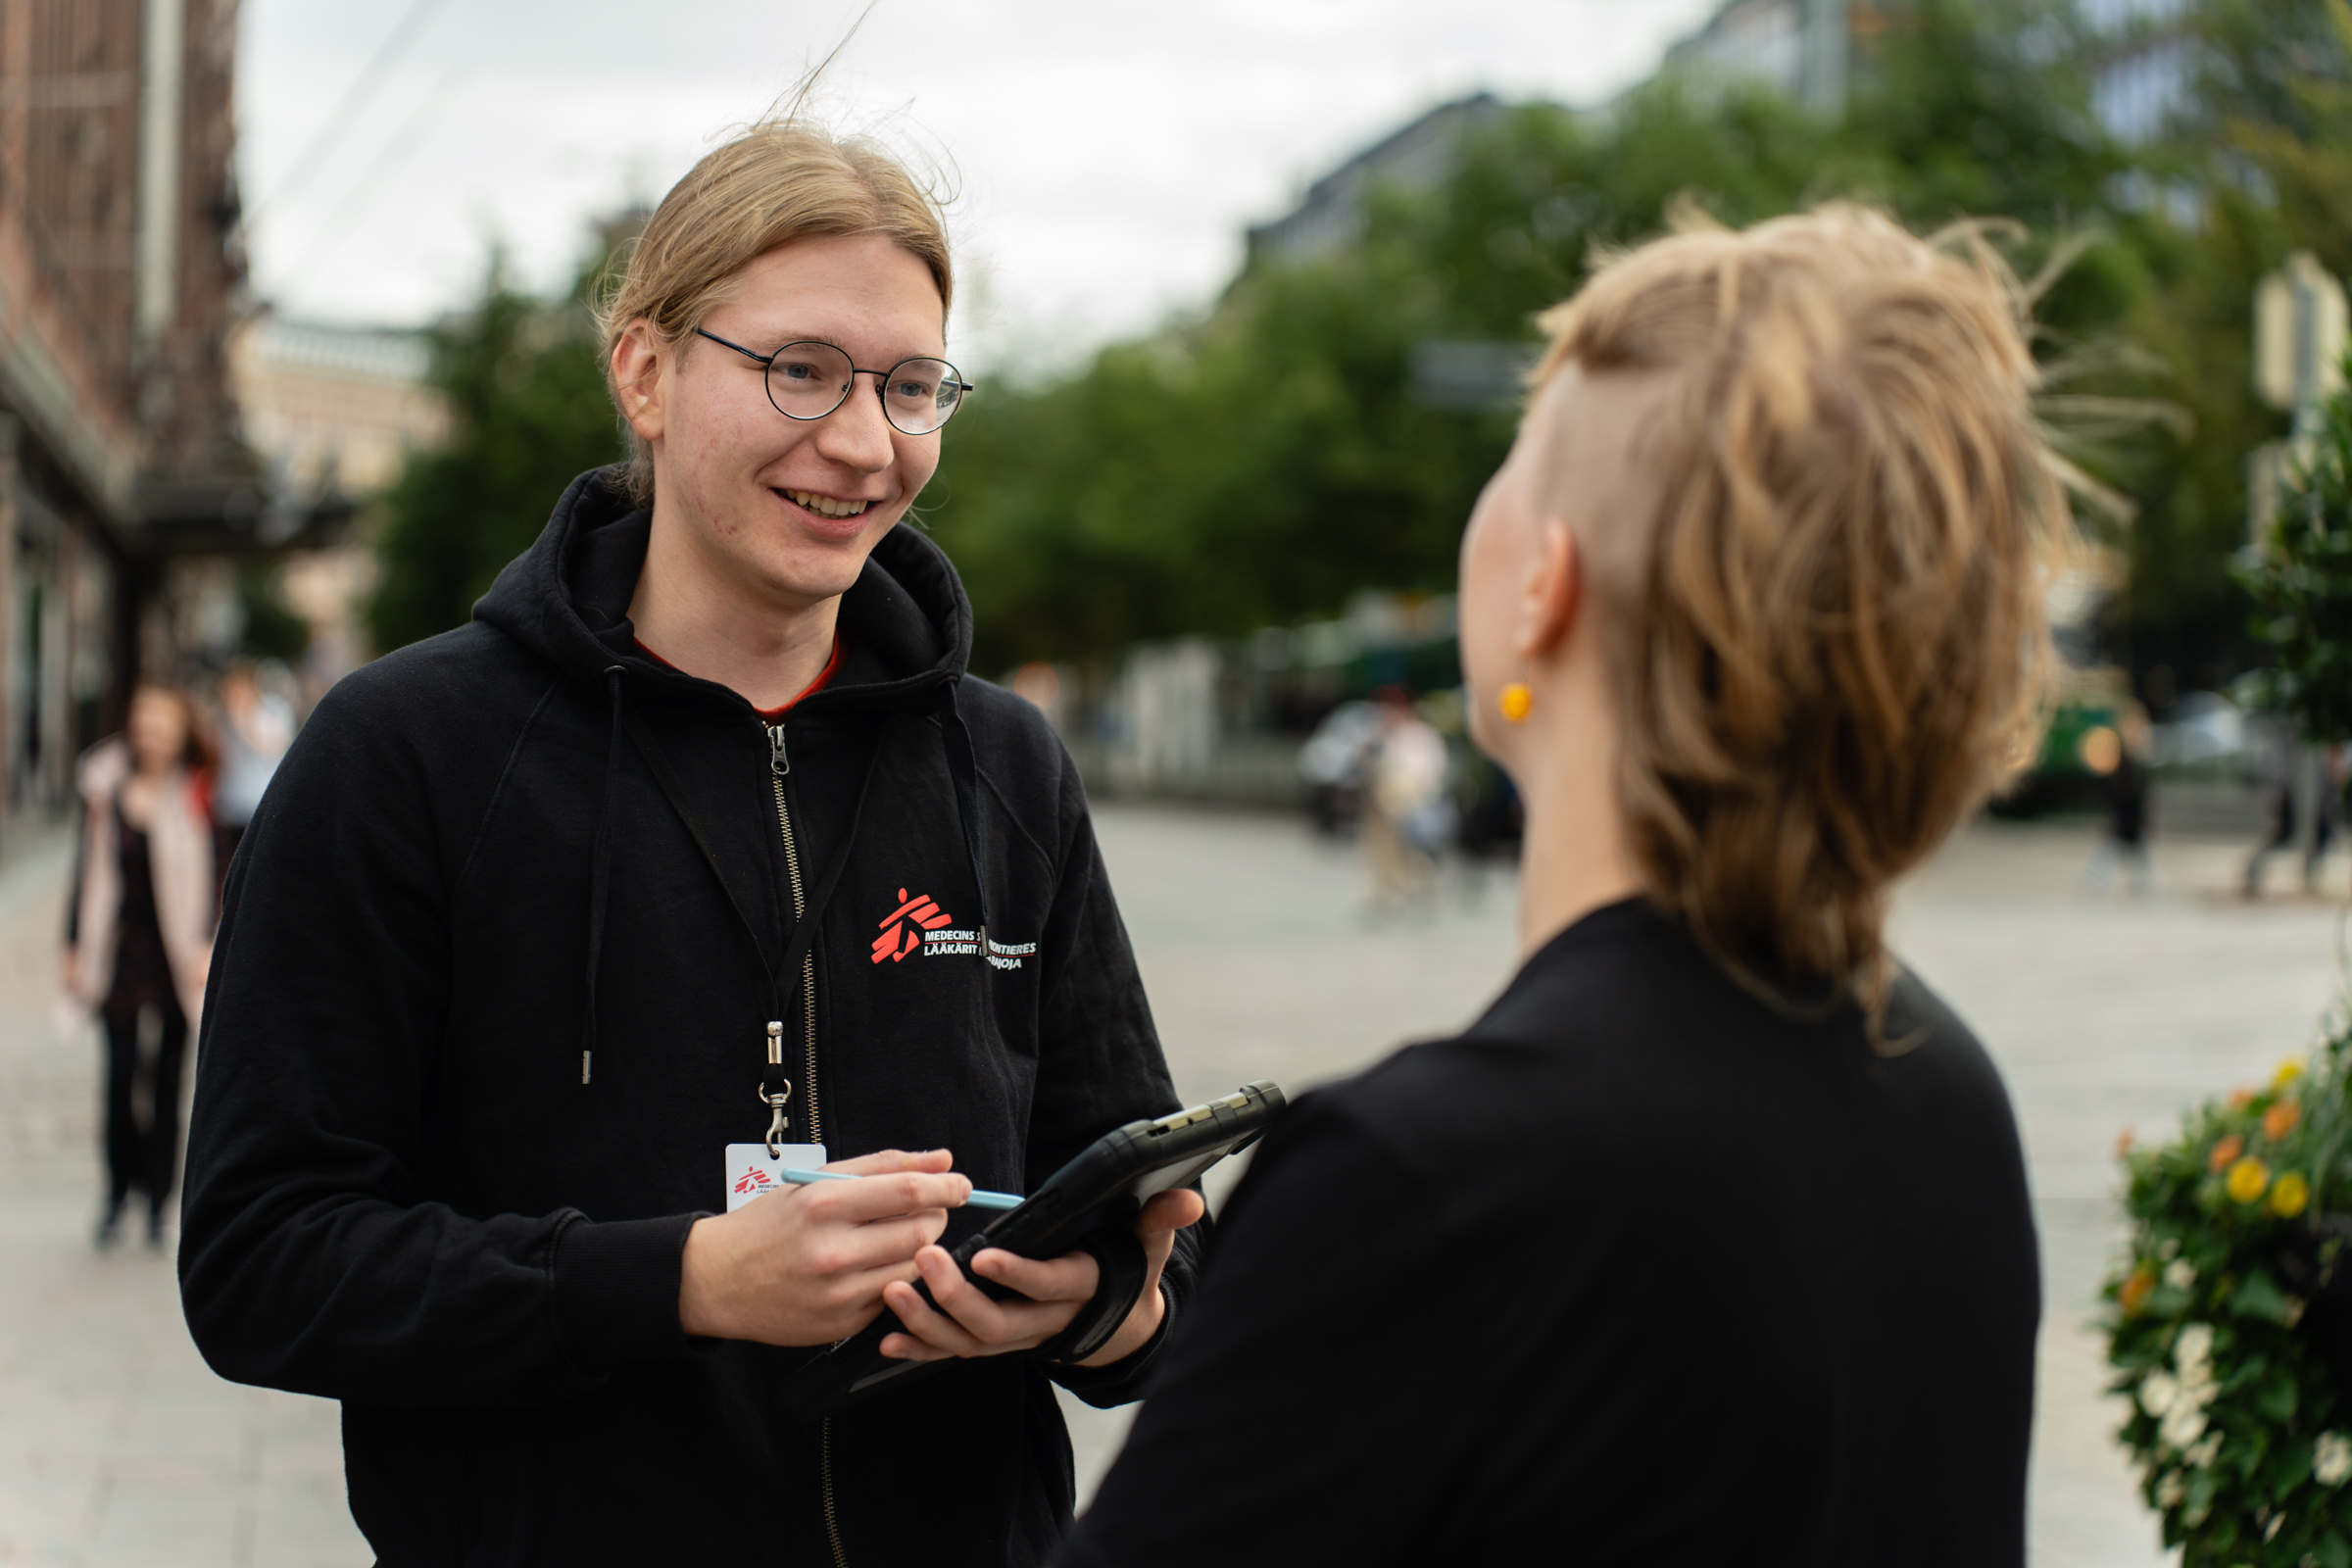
[809, 381]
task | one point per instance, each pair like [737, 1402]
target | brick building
[122, 275]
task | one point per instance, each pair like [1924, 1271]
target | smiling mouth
[824, 505]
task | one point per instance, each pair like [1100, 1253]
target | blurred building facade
[1329, 219]
[332, 412]
[122, 279]
[2140, 60]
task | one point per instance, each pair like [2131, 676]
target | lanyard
[774, 1087]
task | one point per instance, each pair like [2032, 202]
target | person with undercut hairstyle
[1709, 1242]
[697, 858]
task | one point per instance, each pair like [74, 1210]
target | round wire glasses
[809, 381]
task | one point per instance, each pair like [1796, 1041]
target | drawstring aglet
[586, 1058]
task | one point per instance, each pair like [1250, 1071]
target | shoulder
[1621, 1041]
[103, 767]
[464, 671]
[1020, 757]
[424, 732]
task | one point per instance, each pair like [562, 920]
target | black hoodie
[402, 1194]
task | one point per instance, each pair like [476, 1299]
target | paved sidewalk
[117, 1445]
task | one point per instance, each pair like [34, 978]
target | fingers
[967, 1321]
[1071, 1277]
[882, 1197]
[890, 1162]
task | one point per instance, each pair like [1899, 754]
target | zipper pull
[777, 763]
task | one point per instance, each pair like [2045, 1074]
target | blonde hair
[775, 182]
[1829, 645]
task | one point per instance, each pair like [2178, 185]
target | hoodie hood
[905, 623]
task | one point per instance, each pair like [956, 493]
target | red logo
[904, 927]
[754, 1180]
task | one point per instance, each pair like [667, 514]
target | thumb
[1173, 1211]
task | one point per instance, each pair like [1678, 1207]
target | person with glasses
[697, 857]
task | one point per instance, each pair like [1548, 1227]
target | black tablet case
[1107, 1183]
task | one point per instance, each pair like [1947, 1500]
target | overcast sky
[1107, 154]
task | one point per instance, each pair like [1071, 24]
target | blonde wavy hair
[777, 181]
[1829, 645]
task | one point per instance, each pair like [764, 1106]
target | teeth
[826, 505]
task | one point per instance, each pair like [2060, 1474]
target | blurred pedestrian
[2330, 769]
[256, 728]
[1405, 808]
[139, 934]
[2123, 753]
[1710, 1242]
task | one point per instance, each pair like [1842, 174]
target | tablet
[1107, 1183]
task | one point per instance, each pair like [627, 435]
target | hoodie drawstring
[966, 776]
[599, 878]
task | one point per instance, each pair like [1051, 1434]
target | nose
[856, 434]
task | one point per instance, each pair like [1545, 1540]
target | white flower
[2186, 1423]
[2332, 1459]
[2169, 1246]
[2158, 1394]
[2271, 1530]
[2203, 1452]
[2180, 1274]
[2170, 1489]
[2193, 1347]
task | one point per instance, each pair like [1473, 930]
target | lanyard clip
[776, 1088]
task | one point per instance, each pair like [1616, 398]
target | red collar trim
[769, 715]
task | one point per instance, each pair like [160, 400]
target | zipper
[779, 765]
[840, 1558]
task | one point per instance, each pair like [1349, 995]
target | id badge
[751, 1173]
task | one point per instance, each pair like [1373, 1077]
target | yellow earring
[1516, 702]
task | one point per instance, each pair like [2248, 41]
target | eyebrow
[777, 344]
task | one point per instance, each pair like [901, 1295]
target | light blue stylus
[978, 1200]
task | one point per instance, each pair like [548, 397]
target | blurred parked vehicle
[2206, 729]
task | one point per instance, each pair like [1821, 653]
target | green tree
[528, 412]
[2300, 576]
[1257, 464]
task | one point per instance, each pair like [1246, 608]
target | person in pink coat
[139, 934]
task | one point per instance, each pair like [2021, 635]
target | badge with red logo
[918, 923]
[751, 1174]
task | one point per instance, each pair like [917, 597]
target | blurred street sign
[1471, 372]
[2299, 329]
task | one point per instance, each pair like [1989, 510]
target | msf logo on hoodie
[919, 922]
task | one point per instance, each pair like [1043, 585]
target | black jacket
[1654, 1273]
[401, 1193]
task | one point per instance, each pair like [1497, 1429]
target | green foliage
[2235, 1422]
[529, 412]
[1256, 466]
[2300, 578]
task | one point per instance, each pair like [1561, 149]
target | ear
[637, 364]
[1552, 593]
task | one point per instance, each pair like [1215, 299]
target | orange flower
[2122, 1143]
[2136, 1288]
[2249, 1179]
[2228, 1150]
[2240, 1098]
[2280, 1119]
